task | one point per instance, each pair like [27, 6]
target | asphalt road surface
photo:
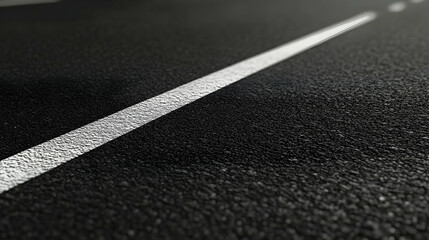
[330, 143]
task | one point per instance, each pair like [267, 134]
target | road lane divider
[39, 159]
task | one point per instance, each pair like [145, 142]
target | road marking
[397, 7]
[37, 160]
[10, 3]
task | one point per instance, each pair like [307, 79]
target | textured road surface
[331, 144]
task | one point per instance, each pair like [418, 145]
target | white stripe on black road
[37, 160]
[10, 3]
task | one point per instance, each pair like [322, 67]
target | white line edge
[11, 3]
[39, 159]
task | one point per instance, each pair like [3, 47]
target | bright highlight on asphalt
[397, 7]
[37, 160]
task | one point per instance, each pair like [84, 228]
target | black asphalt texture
[330, 144]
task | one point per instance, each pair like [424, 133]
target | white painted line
[37, 160]
[397, 7]
[10, 3]
[417, 1]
